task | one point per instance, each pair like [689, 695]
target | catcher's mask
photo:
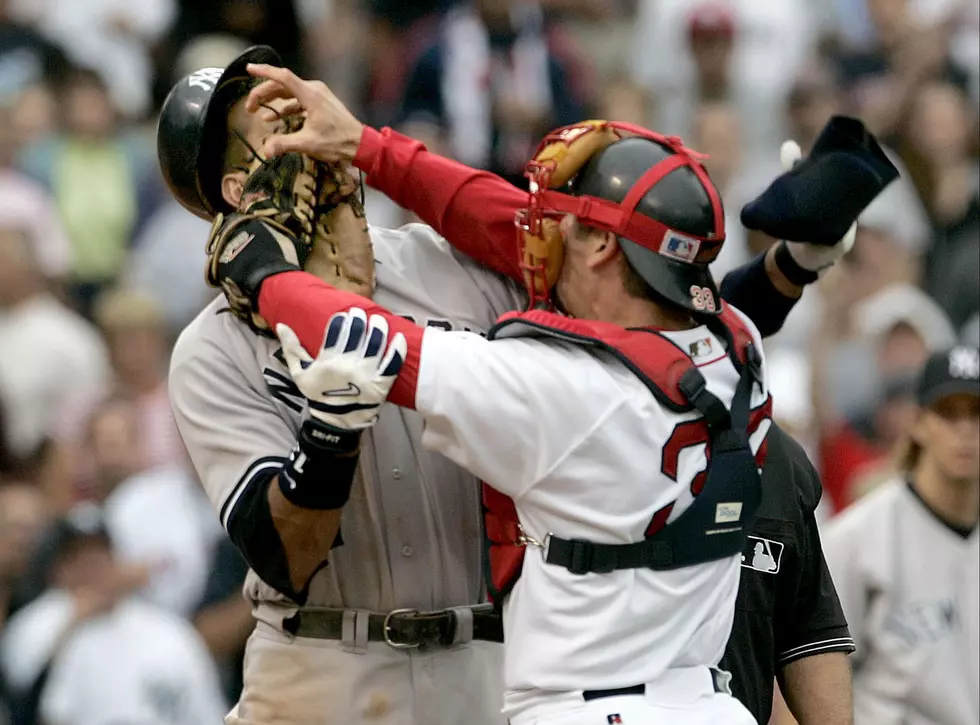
[192, 131]
[648, 189]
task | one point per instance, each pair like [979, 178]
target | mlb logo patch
[762, 555]
[680, 247]
[614, 720]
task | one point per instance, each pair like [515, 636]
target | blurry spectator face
[811, 103]
[36, 115]
[134, 329]
[138, 353]
[89, 113]
[712, 33]
[115, 444]
[717, 133]
[890, 19]
[941, 123]
[23, 515]
[902, 352]
[243, 17]
[949, 433]
[85, 563]
[495, 13]
[626, 102]
[18, 270]
[875, 261]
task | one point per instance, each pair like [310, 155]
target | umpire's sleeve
[813, 622]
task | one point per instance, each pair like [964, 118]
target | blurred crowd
[115, 578]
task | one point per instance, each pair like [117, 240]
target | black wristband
[320, 471]
[791, 270]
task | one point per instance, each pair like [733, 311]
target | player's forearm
[817, 689]
[306, 304]
[307, 535]
[474, 210]
[761, 290]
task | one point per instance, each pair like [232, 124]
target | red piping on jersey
[472, 209]
[306, 303]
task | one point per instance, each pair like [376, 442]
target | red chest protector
[653, 358]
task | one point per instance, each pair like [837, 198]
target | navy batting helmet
[192, 131]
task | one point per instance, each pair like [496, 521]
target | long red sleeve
[474, 210]
[305, 304]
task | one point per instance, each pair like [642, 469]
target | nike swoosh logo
[351, 391]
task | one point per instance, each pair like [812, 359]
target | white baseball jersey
[910, 587]
[579, 442]
[412, 530]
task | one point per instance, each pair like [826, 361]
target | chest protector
[715, 525]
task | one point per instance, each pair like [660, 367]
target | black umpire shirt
[787, 607]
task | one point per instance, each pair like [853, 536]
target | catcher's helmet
[191, 132]
[673, 254]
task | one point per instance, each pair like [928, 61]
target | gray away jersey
[412, 530]
[910, 588]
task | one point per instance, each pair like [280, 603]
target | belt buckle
[386, 630]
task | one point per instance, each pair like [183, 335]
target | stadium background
[99, 269]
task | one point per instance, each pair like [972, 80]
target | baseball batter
[393, 623]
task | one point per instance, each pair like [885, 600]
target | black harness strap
[700, 534]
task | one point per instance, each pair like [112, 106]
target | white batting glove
[350, 378]
[813, 257]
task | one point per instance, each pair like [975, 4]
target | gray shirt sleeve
[231, 428]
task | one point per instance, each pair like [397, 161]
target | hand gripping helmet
[648, 189]
[192, 131]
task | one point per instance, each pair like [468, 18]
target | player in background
[335, 644]
[906, 560]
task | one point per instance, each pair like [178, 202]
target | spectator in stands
[865, 397]
[90, 653]
[26, 57]
[23, 516]
[939, 146]
[26, 205]
[258, 22]
[139, 350]
[114, 38]
[96, 175]
[49, 357]
[156, 514]
[906, 561]
[224, 617]
[492, 85]
[744, 51]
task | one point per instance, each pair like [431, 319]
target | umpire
[788, 619]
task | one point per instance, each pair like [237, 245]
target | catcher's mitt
[315, 213]
[559, 157]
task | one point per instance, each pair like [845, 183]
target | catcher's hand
[350, 378]
[813, 257]
[295, 213]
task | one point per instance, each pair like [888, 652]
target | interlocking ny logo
[205, 78]
[964, 363]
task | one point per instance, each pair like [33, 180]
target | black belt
[587, 695]
[400, 628]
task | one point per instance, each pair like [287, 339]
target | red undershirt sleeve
[474, 210]
[305, 304]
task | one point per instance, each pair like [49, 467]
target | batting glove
[813, 257]
[350, 378]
